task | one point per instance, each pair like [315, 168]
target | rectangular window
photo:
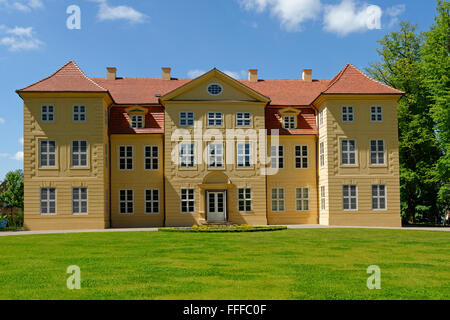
[137, 121]
[322, 198]
[243, 119]
[322, 154]
[214, 119]
[277, 199]
[186, 119]
[79, 113]
[215, 155]
[80, 200]
[48, 200]
[348, 152]
[79, 153]
[377, 152]
[302, 199]
[47, 113]
[243, 155]
[244, 199]
[277, 157]
[301, 157]
[186, 155]
[48, 153]
[126, 202]
[349, 197]
[125, 157]
[289, 122]
[378, 196]
[376, 114]
[347, 114]
[187, 199]
[151, 157]
[152, 201]
[321, 118]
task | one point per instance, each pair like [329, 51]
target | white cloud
[195, 73]
[21, 140]
[394, 12]
[107, 12]
[346, 18]
[19, 39]
[234, 74]
[291, 13]
[21, 5]
[2, 121]
[18, 156]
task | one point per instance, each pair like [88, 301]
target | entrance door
[216, 202]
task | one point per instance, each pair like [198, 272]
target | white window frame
[242, 155]
[47, 154]
[189, 200]
[47, 200]
[323, 198]
[277, 200]
[376, 114]
[217, 156]
[78, 154]
[322, 154]
[301, 199]
[187, 117]
[348, 114]
[277, 156]
[216, 118]
[350, 197]
[77, 114]
[45, 112]
[321, 118]
[151, 158]
[289, 122]
[126, 201]
[245, 117]
[80, 201]
[301, 157]
[152, 201]
[378, 160]
[377, 197]
[187, 160]
[246, 200]
[347, 153]
[127, 159]
[137, 121]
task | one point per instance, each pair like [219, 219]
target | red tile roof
[68, 78]
[351, 80]
[306, 121]
[119, 121]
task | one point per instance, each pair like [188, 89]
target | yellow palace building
[143, 152]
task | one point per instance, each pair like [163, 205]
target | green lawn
[292, 264]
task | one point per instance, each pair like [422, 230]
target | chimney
[253, 75]
[166, 73]
[111, 73]
[307, 75]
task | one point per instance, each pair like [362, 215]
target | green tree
[436, 73]
[400, 67]
[11, 195]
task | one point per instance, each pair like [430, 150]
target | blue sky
[278, 37]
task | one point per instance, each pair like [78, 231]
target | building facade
[144, 152]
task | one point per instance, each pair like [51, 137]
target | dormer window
[136, 117]
[289, 122]
[137, 121]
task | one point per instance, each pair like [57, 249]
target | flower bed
[224, 228]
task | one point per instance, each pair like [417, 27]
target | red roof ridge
[372, 79]
[70, 63]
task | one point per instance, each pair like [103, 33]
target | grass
[293, 264]
[224, 228]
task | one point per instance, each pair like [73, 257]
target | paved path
[297, 226]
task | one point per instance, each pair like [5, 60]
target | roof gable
[351, 80]
[196, 90]
[69, 78]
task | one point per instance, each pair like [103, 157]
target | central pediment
[215, 86]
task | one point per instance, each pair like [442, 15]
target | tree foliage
[11, 195]
[401, 67]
